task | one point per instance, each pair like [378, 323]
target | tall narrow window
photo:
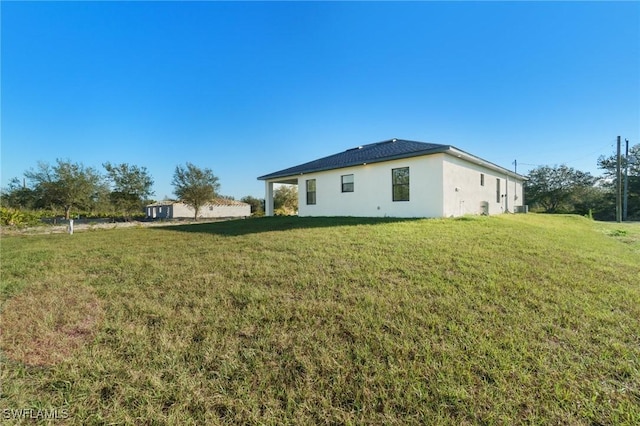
[481, 179]
[498, 190]
[311, 191]
[347, 183]
[400, 184]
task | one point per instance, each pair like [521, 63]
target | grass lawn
[514, 319]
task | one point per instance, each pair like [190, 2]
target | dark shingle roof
[371, 153]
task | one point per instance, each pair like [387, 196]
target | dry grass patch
[46, 323]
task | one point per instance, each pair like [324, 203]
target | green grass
[525, 319]
[628, 233]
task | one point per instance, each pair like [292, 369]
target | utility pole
[618, 185]
[625, 198]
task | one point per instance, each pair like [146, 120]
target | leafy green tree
[558, 188]
[131, 186]
[609, 165]
[101, 204]
[18, 196]
[195, 186]
[285, 200]
[67, 185]
[590, 201]
[257, 205]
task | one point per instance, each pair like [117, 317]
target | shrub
[14, 217]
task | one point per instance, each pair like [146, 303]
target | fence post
[70, 226]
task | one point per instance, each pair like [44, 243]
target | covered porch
[268, 192]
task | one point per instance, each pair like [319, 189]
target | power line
[591, 153]
[600, 149]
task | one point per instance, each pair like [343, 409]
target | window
[481, 179]
[311, 191]
[400, 184]
[498, 200]
[347, 183]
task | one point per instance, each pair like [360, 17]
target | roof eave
[484, 163]
[447, 149]
[279, 175]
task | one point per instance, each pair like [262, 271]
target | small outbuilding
[220, 208]
[400, 178]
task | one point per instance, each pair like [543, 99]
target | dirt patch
[63, 229]
[47, 323]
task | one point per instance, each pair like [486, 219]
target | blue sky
[249, 88]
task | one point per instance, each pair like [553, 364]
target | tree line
[124, 189]
[66, 186]
[121, 190]
[563, 189]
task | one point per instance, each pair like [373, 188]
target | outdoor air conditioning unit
[522, 209]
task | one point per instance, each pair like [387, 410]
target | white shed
[400, 178]
[218, 208]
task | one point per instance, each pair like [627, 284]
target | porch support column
[268, 198]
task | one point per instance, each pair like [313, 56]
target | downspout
[506, 198]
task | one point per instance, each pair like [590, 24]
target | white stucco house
[218, 208]
[400, 178]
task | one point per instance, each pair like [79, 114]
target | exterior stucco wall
[164, 211]
[451, 183]
[211, 211]
[180, 210]
[372, 195]
[225, 211]
[464, 194]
